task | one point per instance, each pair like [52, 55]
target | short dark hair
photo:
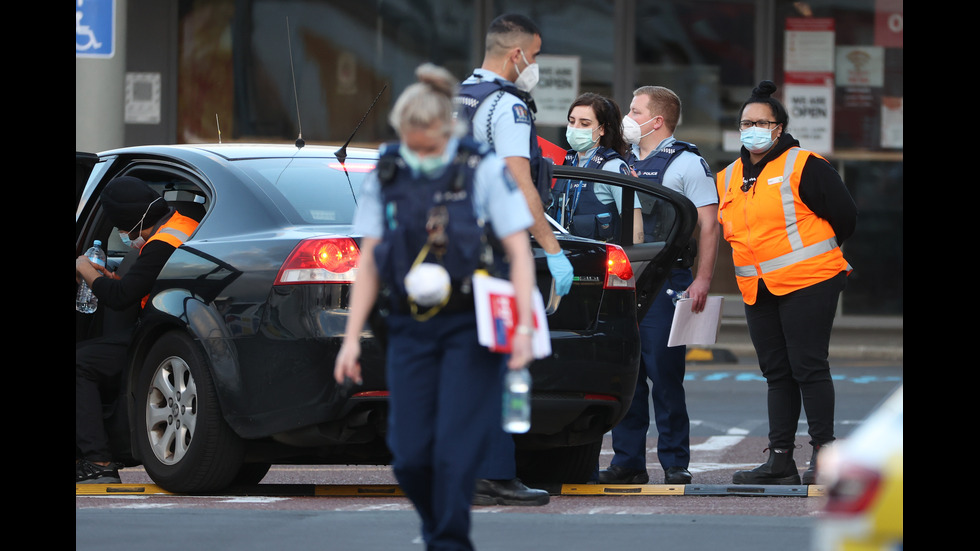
[507, 25]
[763, 94]
[607, 115]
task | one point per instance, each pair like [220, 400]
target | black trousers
[98, 365]
[791, 335]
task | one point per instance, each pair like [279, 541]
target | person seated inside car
[147, 223]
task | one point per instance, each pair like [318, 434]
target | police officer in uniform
[436, 205]
[496, 104]
[589, 209]
[658, 156]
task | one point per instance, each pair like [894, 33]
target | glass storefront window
[704, 52]
[582, 30]
[340, 55]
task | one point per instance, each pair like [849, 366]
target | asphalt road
[727, 407]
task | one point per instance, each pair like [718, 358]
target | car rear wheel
[184, 442]
[565, 465]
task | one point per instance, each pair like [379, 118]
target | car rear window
[318, 191]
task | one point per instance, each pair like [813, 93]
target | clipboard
[496, 316]
[701, 328]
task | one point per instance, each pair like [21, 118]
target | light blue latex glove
[561, 270]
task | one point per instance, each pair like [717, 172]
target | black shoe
[810, 474]
[779, 469]
[677, 475]
[87, 472]
[621, 475]
[507, 492]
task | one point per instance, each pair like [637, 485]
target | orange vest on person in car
[174, 231]
[774, 236]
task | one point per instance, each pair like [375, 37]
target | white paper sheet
[695, 328]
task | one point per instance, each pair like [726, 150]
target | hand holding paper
[701, 327]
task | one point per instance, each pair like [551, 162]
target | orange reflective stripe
[174, 232]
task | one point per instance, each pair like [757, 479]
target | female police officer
[595, 134]
[422, 212]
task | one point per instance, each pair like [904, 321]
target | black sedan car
[231, 368]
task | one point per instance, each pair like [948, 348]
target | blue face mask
[429, 167]
[756, 139]
[580, 138]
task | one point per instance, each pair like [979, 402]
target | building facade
[272, 70]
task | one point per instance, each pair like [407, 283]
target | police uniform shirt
[496, 199]
[606, 193]
[509, 119]
[688, 175]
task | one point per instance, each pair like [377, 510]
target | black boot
[810, 474]
[780, 469]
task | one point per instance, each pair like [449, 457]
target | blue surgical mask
[429, 167]
[580, 138]
[757, 140]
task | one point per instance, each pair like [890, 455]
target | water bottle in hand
[517, 401]
[86, 301]
[676, 295]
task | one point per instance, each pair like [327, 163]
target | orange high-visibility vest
[774, 236]
[174, 231]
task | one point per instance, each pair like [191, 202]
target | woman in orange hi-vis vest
[785, 211]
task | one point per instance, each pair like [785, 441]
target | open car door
[669, 221]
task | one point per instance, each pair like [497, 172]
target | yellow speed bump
[117, 489]
[355, 490]
[622, 489]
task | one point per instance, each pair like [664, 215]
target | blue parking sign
[95, 28]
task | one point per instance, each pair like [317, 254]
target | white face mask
[632, 130]
[139, 241]
[528, 78]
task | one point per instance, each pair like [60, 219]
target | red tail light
[325, 260]
[854, 491]
[619, 271]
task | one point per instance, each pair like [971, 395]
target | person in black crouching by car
[148, 224]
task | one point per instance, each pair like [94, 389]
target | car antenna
[342, 152]
[218, 124]
[299, 141]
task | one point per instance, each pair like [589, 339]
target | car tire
[564, 465]
[184, 442]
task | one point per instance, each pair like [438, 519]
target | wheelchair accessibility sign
[95, 28]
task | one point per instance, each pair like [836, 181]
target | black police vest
[469, 99]
[654, 166]
[576, 206]
[410, 201]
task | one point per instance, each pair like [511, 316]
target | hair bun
[765, 89]
[436, 78]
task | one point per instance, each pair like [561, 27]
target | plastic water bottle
[517, 401]
[86, 301]
[676, 295]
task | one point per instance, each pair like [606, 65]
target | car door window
[668, 220]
